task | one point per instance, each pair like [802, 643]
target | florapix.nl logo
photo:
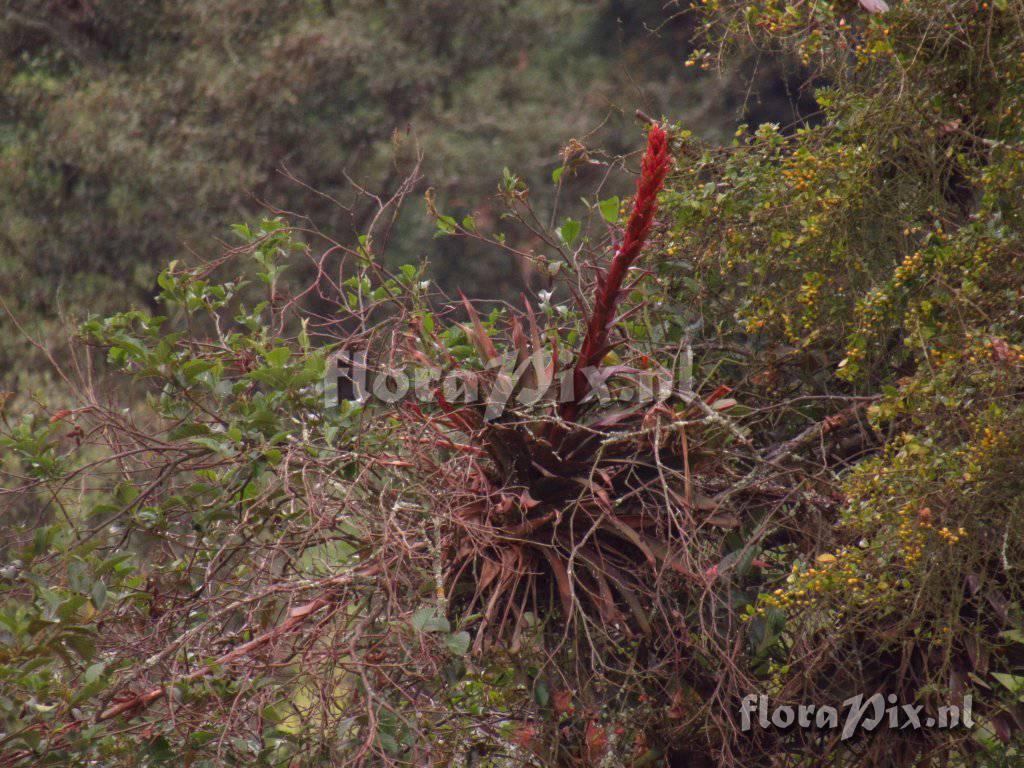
[858, 713]
[503, 383]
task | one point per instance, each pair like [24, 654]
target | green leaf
[201, 738]
[279, 357]
[94, 671]
[1013, 683]
[116, 563]
[446, 225]
[556, 175]
[458, 643]
[99, 594]
[1015, 635]
[509, 179]
[569, 231]
[426, 620]
[388, 743]
[186, 430]
[541, 694]
[213, 444]
[194, 368]
[81, 644]
[610, 209]
[126, 493]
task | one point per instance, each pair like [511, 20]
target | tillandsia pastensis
[575, 500]
[621, 528]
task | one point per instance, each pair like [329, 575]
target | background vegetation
[130, 136]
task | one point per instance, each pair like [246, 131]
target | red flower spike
[655, 167]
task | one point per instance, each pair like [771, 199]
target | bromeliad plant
[539, 518]
[531, 506]
[622, 537]
[566, 503]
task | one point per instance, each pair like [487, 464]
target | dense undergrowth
[827, 504]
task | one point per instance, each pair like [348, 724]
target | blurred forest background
[132, 134]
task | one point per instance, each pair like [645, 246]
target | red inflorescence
[655, 167]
